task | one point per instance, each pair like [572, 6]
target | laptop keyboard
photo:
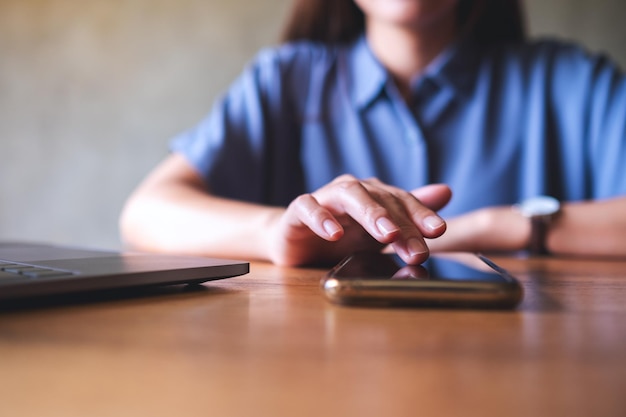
[10, 270]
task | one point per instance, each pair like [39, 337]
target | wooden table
[268, 344]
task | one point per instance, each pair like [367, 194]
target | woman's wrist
[487, 229]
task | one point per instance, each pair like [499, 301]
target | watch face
[540, 206]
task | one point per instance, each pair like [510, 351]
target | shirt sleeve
[607, 129]
[576, 122]
[235, 147]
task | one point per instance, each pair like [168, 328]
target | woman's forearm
[590, 228]
[172, 212]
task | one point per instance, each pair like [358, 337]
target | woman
[325, 145]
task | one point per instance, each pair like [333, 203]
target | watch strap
[538, 231]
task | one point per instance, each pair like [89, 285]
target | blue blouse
[497, 124]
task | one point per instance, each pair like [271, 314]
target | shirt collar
[454, 68]
[367, 76]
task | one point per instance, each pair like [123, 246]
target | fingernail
[433, 222]
[415, 247]
[386, 226]
[331, 227]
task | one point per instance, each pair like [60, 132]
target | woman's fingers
[433, 196]
[308, 212]
[379, 211]
[397, 215]
[421, 205]
[350, 196]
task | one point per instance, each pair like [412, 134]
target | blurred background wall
[91, 91]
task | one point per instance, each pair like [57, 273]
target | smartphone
[463, 280]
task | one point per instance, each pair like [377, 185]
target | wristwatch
[541, 211]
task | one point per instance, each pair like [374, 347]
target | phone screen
[455, 280]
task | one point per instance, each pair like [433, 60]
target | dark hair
[341, 21]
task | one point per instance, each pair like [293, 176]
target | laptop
[30, 270]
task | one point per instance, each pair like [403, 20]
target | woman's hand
[350, 214]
